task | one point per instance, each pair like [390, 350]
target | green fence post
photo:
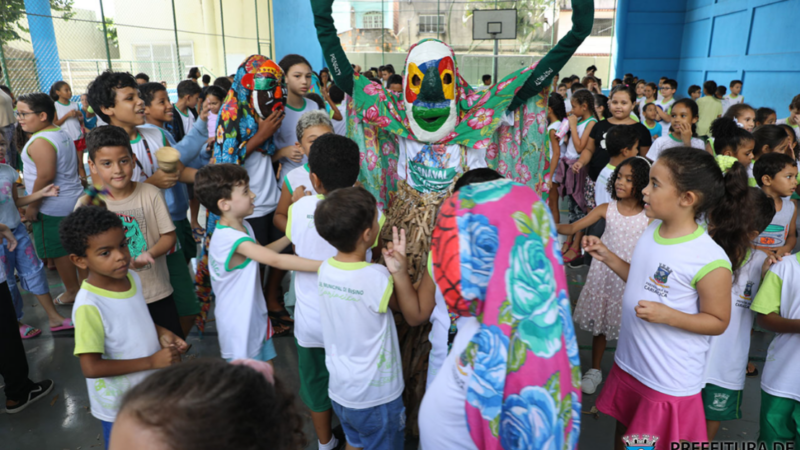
[258, 35]
[224, 52]
[105, 34]
[177, 45]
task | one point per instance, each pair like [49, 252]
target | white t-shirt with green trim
[664, 358]
[728, 354]
[66, 179]
[780, 294]
[187, 119]
[601, 194]
[309, 244]
[145, 147]
[300, 176]
[668, 140]
[729, 100]
[240, 308]
[118, 326]
[665, 106]
[362, 352]
[287, 134]
[572, 152]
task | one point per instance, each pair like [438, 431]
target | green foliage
[13, 11]
[531, 15]
[111, 32]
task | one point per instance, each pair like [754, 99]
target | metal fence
[44, 41]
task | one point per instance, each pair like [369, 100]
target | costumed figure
[257, 91]
[415, 144]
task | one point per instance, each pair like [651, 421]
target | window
[373, 20]
[431, 23]
[159, 60]
[603, 27]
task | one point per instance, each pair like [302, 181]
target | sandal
[279, 318]
[751, 373]
[27, 331]
[66, 324]
[57, 301]
[198, 233]
[576, 251]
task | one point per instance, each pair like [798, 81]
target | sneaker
[591, 379]
[38, 392]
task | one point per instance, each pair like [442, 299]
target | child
[395, 84]
[731, 140]
[116, 340]
[333, 163]
[666, 101]
[215, 95]
[89, 118]
[145, 217]
[600, 302]
[650, 91]
[733, 98]
[49, 157]
[694, 92]
[683, 129]
[776, 175]
[70, 119]
[142, 78]
[721, 91]
[601, 107]
[744, 114]
[765, 116]
[188, 93]
[297, 71]
[728, 352]
[21, 256]
[794, 118]
[562, 90]
[198, 405]
[556, 113]
[770, 139]
[233, 258]
[581, 122]
[791, 148]
[709, 108]
[311, 126]
[650, 116]
[777, 306]
[677, 294]
[362, 352]
[337, 95]
[620, 143]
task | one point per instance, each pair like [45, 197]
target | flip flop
[66, 324]
[198, 233]
[57, 301]
[278, 318]
[27, 331]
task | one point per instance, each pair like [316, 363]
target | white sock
[330, 445]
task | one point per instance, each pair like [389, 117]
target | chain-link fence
[44, 41]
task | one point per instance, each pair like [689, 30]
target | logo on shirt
[720, 401]
[748, 291]
[645, 443]
[657, 284]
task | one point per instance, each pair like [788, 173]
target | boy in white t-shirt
[188, 93]
[728, 352]
[621, 142]
[362, 353]
[233, 258]
[665, 102]
[116, 340]
[734, 97]
[776, 175]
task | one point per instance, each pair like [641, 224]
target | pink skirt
[645, 411]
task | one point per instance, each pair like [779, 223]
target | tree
[12, 11]
[111, 32]
[530, 16]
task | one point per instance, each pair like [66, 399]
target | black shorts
[165, 314]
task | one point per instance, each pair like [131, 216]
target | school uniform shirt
[432, 167]
[340, 126]
[66, 172]
[287, 134]
[666, 106]
[262, 183]
[186, 119]
[600, 156]
[145, 146]
[664, 358]
[794, 126]
[601, 194]
[118, 326]
[300, 230]
[655, 132]
[778, 230]
[362, 352]
[300, 176]
[240, 308]
[568, 103]
[728, 352]
[780, 294]
[145, 218]
[669, 141]
[9, 214]
[562, 145]
[71, 126]
[729, 100]
[572, 152]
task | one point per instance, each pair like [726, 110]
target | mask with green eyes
[268, 91]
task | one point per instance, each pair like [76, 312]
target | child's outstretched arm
[281, 217]
[777, 324]
[94, 366]
[600, 252]
[50, 190]
[416, 306]
[265, 255]
[587, 221]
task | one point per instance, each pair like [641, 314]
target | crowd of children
[683, 207]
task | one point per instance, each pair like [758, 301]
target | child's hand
[9, 236]
[270, 125]
[573, 119]
[204, 111]
[577, 167]
[165, 358]
[51, 190]
[293, 153]
[142, 260]
[653, 312]
[164, 180]
[299, 193]
[32, 214]
[595, 247]
[395, 255]
[169, 339]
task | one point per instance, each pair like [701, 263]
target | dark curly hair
[83, 223]
[640, 179]
[103, 90]
[208, 404]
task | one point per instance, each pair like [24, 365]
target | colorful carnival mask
[265, 80]
[430, 90]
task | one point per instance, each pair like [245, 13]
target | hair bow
[725, 162]
[739, 124]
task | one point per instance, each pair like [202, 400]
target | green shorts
[779, 421]
[183, 231]
[47, 238]
[313, 378]
[182, 285]
[721, 403]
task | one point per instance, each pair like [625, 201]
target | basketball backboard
[494, 24]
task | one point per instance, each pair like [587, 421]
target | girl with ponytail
[677, 294]
[732, 140]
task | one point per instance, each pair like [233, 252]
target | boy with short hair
[621, 142]
[486, 79]
[145, 217]
[694, 92]
[664, 104]
[333, 163]
[338, 98]
[188, 93]
[721, 91]
[661, 82]
[362, 353]
[233, 259]
[395, 84]
[562, 90]
[142, 78]
[776, 175]
[116, 340]
[734, 97]
[206, 80]
[650, 115]
[709, 108]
